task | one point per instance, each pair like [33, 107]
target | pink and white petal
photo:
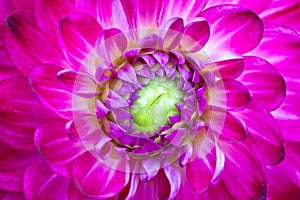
[284, 13]
[264, 82]
[229, 94]
[78, 34]
[195, 35]
[265, 131]
[20, 113]
[51, 139]
[129, 190]
[48, 14]
[22, 39]
[226, 65]
[242, 161]
[173, 175]
[41, 183]
[170, 33]
[94, 179]
[232, 29]
[45, 85]
[251, 5]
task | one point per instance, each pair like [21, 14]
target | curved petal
[195, 35]
[45, 85]
[22, 39]
[78, 34]
[51, 139]
[74, 193]
[7, 69]
[265, 131]
[41, 183]
[264, 82]
[20, 113]
[170, 33]
[232, 29]
[94, 179]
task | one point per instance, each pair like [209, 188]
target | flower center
[156, 103]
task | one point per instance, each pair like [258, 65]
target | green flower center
[156, 103]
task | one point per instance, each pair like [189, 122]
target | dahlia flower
[135, 99]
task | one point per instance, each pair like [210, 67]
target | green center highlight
[156, 103]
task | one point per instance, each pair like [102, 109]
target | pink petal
[20, 113]
[74, 193]
[51, 139]
[230, 94]
[8, 195]
[49, 91]
[22, 39]
[232, 30]
[95, 179]
[195, 35]
[7, 69]
[77, 35]
[170, 33]
[12, 179]
[126, 193]
[173, 175]
[264, 82]
[243, 173]
[41, 183]
[265, 131]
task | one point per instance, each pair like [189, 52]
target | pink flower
[127, 99]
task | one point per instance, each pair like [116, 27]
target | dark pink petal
[226, 65]
[48, 14]
[230, 94]
[173, 175]
[170, 33]
[284, 13]
[243, 173]
[264, 82]
[7, 69]
[78, 34]
[12, 179]
[129, 191]
[45, 85]
[202, 172]
[265, 131]
[195, 35]
[22, 39]
[95, 179]
[8, 195]
[41, 183]
[111, 44]
[233, 30]
[51, 139]
[20, 113]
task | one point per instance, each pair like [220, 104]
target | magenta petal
[230, 94]
[267, 135]
[170, 33]
[264, 82]
[74, 193]
[20, 113]
[233, 31]
[7, 69]
[51, 139]
[173, 175]
[111, 44]
[195, 35]
[95, 179]
[242, 161]
[49, 91]
[41, 183]
[28, 44]
[8, 195]
[77, 35]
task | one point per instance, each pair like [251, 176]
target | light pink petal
[230, 94]
[226, 65]
[195, 35]
[232, 29]
[264, 82]
[202, 172]
[284, 13]
[170, 33]
[48, 14]
[41, 183]
[111, 44]
[22, 39]
[77, 35]
[45, 85]
[243, 174]
[251, 5]
[20, 113]
[265, 131]
[173, 175]
[51, 139]
[95, 179]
